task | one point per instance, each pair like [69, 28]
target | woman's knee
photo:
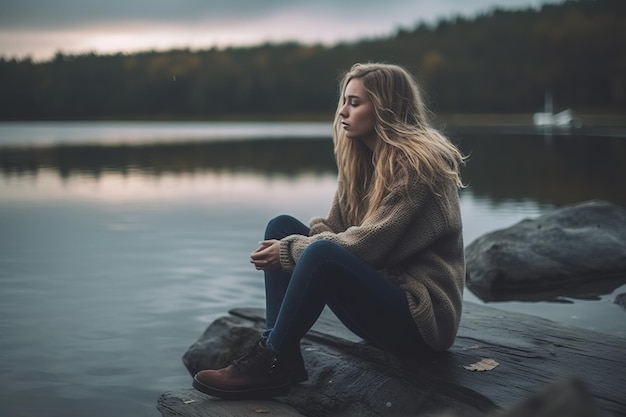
[322, 249]
[284, 225]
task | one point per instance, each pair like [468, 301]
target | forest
[497, 62]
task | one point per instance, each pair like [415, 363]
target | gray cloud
[40, 28]
[47, 14]
[63, 13]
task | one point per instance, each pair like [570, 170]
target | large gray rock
[348, 377]
[224, 340]
[576, 251]
[340, 381]
[620, 300]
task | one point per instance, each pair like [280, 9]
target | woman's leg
[326, 273]
[365, 301]
[276, 282]
[261, 372]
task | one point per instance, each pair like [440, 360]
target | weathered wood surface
[531, 352]
[191, 403]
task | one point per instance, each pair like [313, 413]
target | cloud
[72, 13]
[39, 28]
[47, 14]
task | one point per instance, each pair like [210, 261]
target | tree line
[500, 61]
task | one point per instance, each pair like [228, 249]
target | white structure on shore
[547, 118]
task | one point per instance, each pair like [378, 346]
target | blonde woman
[388, 259]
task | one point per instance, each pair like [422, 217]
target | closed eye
[352, 101]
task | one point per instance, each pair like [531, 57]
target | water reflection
[501, 168]
[265, 157]
[564, 171]
[215, 189]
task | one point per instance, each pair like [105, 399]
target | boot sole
[253, 393]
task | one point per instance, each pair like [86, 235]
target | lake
[120, 242]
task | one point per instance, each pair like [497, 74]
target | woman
[388, 260]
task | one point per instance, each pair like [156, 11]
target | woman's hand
[267, 255]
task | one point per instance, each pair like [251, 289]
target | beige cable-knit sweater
[416, 242]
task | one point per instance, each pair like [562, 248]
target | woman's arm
[377, 238]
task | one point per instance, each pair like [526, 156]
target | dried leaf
[261, 410]
[485, 364]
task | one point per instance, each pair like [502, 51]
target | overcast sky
[40, 28]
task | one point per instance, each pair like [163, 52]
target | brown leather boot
[292, 358]
[260, 373]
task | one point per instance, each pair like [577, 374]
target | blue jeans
[365, 301]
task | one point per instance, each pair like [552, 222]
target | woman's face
[357, 114]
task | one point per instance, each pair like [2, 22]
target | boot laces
[257, 358]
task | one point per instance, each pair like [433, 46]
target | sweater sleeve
[376, 238]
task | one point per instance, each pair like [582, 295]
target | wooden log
[350, 377]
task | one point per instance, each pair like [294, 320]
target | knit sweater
[415, 241]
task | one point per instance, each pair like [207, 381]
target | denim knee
[321, 249]
[285, 225]
[276, 227]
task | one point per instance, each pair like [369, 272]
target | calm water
[121, 242]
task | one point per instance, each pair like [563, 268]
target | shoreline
[447, 119]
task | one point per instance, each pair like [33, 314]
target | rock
[620, 300]
[568, 397]
[577, 251]
[224, 340]
[348, 377]
[340, 381]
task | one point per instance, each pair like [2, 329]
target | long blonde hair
[405, 143]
